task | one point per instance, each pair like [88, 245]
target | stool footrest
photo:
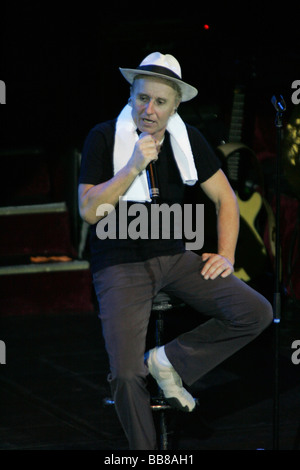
[157, 403]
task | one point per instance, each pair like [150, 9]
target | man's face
[153, 102]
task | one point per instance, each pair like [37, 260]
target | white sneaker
[170, 383]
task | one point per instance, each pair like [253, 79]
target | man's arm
[220, 192]
[91, 196]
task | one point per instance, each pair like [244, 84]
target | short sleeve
[96, 160]
[206, 161]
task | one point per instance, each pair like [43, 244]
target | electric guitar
[244, 174]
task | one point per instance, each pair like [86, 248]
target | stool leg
[162, 421]
[163, 431]
[159, 330]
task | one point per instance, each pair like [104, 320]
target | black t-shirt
[97, 167]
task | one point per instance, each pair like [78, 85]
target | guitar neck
[237, 116]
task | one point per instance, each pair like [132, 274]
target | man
[128, 271]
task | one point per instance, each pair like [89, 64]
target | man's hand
[145, 151]
[216, 265]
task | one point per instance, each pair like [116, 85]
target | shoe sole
[175, 403]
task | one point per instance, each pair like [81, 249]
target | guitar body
[243, 172]
[251, 253]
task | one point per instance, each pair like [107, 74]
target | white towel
[125, 140]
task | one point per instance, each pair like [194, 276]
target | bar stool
[162, 303]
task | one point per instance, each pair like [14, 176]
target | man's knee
[262, 314]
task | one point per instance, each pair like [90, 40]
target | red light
[206, 26]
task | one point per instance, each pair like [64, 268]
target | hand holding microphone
[150, 148]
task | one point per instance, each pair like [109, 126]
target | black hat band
[159, 69]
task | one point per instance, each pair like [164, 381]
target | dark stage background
[61, 73]
[60, 66]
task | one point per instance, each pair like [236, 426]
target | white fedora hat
[164, 66]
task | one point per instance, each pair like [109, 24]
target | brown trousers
[236, 315]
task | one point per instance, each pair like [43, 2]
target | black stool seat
[163, 301]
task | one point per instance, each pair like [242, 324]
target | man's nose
[150, 107]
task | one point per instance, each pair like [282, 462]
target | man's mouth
[148, 121]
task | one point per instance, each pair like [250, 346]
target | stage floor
[54, 381]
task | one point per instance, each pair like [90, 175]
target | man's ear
[176, 107]
[130, 97]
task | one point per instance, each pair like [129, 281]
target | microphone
[152, 181]
[151, 177]
[279, 104]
